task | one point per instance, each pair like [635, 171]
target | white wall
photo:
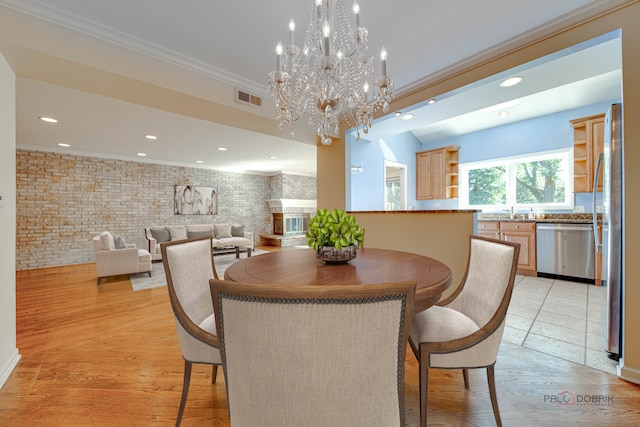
[9, 355]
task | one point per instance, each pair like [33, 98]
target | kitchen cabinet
[437, 173]
[489, 229]
[588, 143]
[522, 232]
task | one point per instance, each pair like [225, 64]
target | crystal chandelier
[331, 76]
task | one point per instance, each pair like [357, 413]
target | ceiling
[111, 72]
[585, 74]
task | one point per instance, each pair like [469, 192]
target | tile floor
[559, 318]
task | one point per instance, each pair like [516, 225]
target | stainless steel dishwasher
[565, 250]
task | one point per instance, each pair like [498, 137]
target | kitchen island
[439, 234]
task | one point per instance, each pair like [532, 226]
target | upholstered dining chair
[464, 330]
[310, 356]
[189, 266]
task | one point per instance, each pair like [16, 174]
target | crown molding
[591, 11]
[41, 10]
[79, 24]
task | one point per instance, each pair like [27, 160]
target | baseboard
[628, 374]
[9, 366]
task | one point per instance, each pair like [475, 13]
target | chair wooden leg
[185, 390]
[424, 382]
[465, 376]
[492, 393]
[214, 374]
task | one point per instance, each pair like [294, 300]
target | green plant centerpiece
[334, 235]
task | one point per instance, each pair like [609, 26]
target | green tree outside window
[488, 186]
[538, 180]
[393, 195]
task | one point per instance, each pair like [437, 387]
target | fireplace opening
[290, 223]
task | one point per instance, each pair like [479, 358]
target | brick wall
[63, 201]
[276, 187]
[298, 187]
[285, 186]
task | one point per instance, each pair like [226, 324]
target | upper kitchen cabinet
[437, 173]
[588, 143]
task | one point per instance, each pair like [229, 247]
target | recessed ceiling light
[48, 119]
[222, 148]
[431, 101]
[62, 144]
[272, 157]
[199, 161]
[398, 113]
[141, 154]
[152, 137]
[407, 116]
[511, 81]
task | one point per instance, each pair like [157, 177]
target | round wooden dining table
[371, 266]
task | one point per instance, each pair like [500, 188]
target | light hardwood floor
[108, 356]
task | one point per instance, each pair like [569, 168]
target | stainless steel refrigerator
[611, 163]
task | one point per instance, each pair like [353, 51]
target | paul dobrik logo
[566, 398]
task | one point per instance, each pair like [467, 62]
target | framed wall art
[192, 200]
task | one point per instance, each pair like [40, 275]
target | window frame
[401, 178]
[510, 163]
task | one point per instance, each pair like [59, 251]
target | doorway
[395, 186]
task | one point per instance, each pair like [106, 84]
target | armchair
[189, 265]
[114, 262]
[464, 330]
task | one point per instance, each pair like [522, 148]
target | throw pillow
[223, 231]
[119, 242]
[195, 234]
[177, 233]
[237, 230]
[106, 241]
[161, 234]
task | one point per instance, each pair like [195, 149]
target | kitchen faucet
[510, 212]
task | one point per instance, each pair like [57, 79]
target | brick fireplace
[290, 220]
[289, 224]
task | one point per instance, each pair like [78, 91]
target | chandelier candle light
[329, 78]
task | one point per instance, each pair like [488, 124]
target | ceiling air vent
[244, 97]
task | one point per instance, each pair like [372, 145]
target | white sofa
[114, 261]
[226, 237]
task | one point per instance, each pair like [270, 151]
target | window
[395, 186]
[539, 181]
[393, 194]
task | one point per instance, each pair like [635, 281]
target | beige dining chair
[309, 356]
[464, 330]
[189, 266]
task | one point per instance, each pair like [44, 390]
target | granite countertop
[416, 211]
[564, 218]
